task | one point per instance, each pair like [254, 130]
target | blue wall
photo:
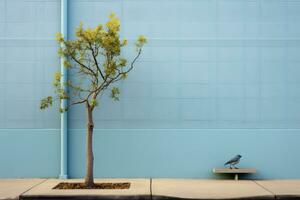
[29, 153]
[29, 138]
[217, 78]
[187, 153]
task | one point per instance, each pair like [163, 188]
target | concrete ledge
[139, 190]
[208, 189]
[12, 188]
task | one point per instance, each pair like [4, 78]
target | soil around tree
[116, 186]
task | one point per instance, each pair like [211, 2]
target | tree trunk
[89, 178]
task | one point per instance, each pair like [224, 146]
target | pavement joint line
[32, 187]
[275, 197]
[151, 195]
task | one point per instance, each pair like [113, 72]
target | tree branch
[117, 78]
[85, 67]
[134, 60]
[95, 60]
[77, 102]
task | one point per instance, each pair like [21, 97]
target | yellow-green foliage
[115, 93]
[95, 58]
[46, 102]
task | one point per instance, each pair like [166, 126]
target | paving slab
[139, 189]
[282, 189]
[208, 189]
[11, 189]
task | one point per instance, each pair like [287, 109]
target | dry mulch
[65, 185]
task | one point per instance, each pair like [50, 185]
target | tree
[95, 58]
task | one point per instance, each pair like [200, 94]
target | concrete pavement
[208, 189]
[282, 189]
[156, 189]
[11, 189]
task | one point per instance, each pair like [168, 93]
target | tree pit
[101, 186]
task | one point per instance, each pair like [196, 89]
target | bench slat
[234, 171]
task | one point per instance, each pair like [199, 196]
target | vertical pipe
[64, 115]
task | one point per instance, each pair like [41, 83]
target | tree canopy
[95, 58]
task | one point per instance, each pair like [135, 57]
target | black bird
[232, 162]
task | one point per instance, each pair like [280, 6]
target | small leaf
[122, 62]
[59, 37]
[46, 102]
[67, 64]
[141, 41]
[124, 75]
[115, 93]
[94, 102]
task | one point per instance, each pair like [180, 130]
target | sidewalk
[13, 188]
[156, 189]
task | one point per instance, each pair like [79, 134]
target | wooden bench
[236, 172]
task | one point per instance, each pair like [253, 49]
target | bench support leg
[236, 177]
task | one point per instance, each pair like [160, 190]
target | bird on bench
[232, 162]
